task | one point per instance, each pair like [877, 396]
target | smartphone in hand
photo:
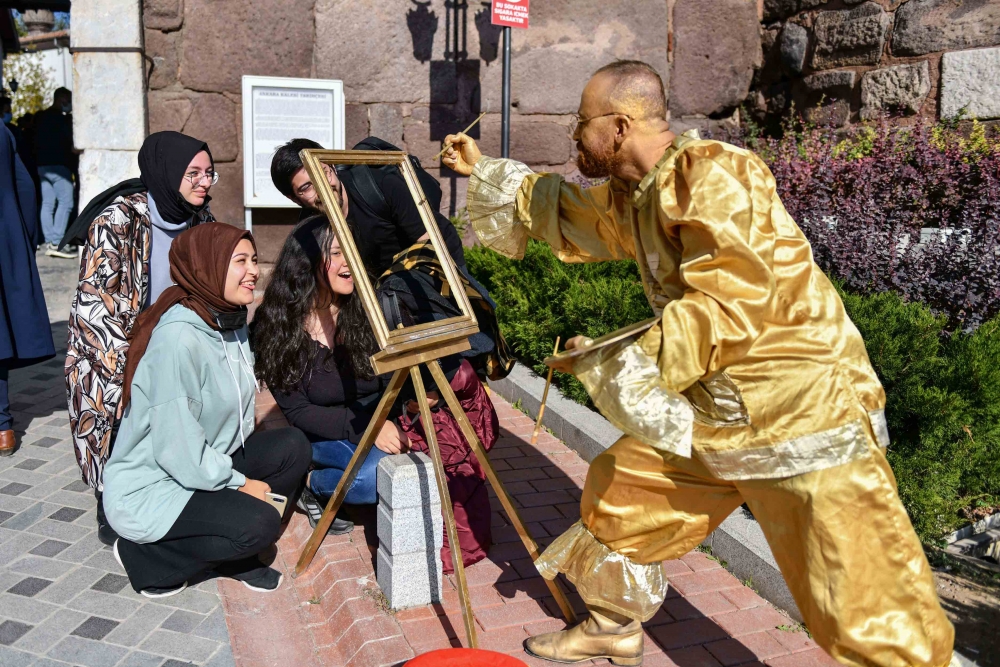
[278, 501]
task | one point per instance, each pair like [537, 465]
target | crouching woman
[186, 482]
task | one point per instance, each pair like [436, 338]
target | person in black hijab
[125, 234]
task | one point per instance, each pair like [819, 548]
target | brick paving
[332, 614]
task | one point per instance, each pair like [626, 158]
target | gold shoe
[597, 637]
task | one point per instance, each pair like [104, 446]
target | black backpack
[360, 176]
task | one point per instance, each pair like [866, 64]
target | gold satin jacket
[751, 331]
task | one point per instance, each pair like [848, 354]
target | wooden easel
[429, 358]
[403, 351]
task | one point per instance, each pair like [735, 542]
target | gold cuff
[492, 200]
[604, 578]
[625, 383]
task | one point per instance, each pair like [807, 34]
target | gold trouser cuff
[604, 578]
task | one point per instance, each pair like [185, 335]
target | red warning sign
[511, 13]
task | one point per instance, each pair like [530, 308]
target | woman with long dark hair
[312, 340]
[312, 343]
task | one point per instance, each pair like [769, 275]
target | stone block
[98, 78]
[409, 580]
[162, 48]
[794, 42]
[777, 10]
[106, 23]
[98, 168]
[355, 123]
[970, 80]
[227, 194]
[534, 143]
[168, 111]
[898, 88]
[716, 47]
[386, 122]
[225, 39]
[926, 26]
[213, 120]
[163, 14]
[835, 113]
[410, 529]
[850, 37]
[406, 480]
[827, 81]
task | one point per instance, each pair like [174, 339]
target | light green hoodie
[192, 406]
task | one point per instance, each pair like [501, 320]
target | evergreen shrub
[943, 391]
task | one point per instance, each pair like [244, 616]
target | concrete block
[410, 580]
[98, 168]
[407, 480]
[410, 529]
[97, 78]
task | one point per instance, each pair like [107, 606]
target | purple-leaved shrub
[913, 210]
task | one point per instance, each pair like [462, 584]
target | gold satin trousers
[840, 535]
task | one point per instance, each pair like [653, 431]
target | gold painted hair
[637, 89]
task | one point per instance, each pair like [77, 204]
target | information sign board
[276, 110]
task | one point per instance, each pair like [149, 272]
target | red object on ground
[510, 13]
[465, 657]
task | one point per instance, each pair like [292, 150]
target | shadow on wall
[455, 95]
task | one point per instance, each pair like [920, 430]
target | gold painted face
[596, 129]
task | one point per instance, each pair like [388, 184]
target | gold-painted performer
[754, 386]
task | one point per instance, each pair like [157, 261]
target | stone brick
[100, 167]
[969, 81]
[105, 23]
[162, 48]
[100, 77]
[716, 47]
[794, 42]
[213, 120]
[355, 123]
[386, 122]
[777, 10]
[225, 39]
[926, 26]
[822, 82]
[227, 194]
[850, 37]
[163, 14]
[406, 480]
[535, 143]
[412, 529]
[897, 88]
[410, 580]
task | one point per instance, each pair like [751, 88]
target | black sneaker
[266, 582]
[105, 533]
[309, 504]
[65, 252]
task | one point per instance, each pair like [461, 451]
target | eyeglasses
[580, 122]
[196, 178]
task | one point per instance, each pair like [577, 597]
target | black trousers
[225, 530]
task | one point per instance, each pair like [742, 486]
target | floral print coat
[113, 288]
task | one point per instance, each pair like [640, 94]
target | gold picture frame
[401, 347]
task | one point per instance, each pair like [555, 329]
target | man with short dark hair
[751, 385]
[56, 160]
[380, 236]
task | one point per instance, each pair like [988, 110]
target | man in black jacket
[380, 235]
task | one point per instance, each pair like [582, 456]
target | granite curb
[739, 542]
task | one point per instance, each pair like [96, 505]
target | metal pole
[505, 98]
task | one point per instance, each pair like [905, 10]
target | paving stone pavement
[64, 600]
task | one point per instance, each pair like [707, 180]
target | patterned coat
[114, 283]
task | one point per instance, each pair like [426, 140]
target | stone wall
[843, 61]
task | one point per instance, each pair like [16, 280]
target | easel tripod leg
[449, 517]
[444, 388]
[337, 499]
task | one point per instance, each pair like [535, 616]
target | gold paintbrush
[465, 131]
[545, 396]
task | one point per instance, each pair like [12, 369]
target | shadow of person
[422, 23]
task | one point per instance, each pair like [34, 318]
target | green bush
[539, 298]
[943, 392]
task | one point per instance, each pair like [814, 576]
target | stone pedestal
[109, 100]
[410, 531]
